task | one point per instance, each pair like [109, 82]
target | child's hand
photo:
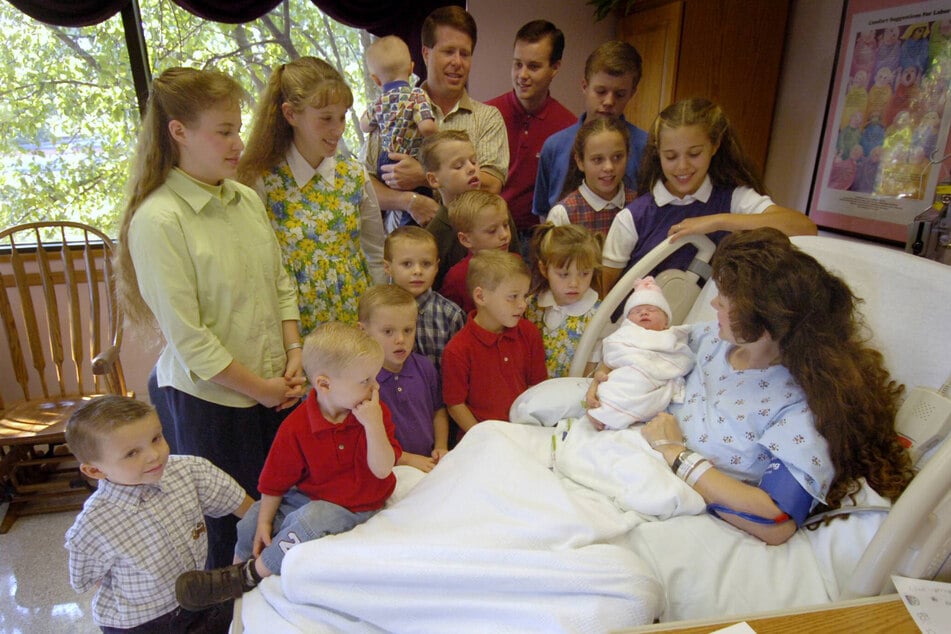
[438, 454]
[423, 463]
[262, 538]
[369, 413]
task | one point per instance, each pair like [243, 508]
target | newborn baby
[643, 362]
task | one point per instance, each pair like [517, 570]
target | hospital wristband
[667, 443]
[688, 463]
[293, 346]
[697, 472]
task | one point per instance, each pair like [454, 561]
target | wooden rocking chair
[63, 331]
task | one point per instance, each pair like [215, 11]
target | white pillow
[550, 401]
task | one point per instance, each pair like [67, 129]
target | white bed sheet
[494, 540]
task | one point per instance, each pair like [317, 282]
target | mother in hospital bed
[787, 407]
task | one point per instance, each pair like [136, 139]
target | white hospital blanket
[621, 465]
[490, 540]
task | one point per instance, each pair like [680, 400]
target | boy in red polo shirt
[330, 466]
[498, 354]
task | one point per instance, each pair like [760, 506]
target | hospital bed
[497, 539]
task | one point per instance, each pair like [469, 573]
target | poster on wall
[886, 136]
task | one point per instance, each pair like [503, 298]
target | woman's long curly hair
[729, 167]
[775, 288]
[180, 94]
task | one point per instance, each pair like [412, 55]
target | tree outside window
[68, 113]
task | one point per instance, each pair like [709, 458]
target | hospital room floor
[35, 595]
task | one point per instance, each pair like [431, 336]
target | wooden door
[655, 33]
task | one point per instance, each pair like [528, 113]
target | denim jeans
[299, 519]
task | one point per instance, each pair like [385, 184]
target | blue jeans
[299, 519]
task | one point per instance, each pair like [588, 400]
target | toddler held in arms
[643, 363]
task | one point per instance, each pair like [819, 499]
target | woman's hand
[591, 396]
[664, 434]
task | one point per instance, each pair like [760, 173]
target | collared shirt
[414, 396]
[136, 540]
[527, 132]
[554, 161]
[327, 461]
[396, 113]
[623, 236]
[562, 328]
[209, 267]
[439, 319]
[486, 371]
[484, 125]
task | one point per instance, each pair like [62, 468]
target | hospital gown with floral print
[742, 419]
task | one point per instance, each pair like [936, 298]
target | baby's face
[648, 317]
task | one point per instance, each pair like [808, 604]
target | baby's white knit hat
[646, 291]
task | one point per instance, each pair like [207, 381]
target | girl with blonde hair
[320, 201]
[198, 259]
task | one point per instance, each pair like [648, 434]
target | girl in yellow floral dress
[320, 202]
[563, 302]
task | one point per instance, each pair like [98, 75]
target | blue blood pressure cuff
[790, 496]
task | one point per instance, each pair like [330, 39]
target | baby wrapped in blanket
[645, 361]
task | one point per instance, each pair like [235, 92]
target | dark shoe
[199, 589]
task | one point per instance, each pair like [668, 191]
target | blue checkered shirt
[439, 319]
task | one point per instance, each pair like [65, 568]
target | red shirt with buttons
[325, 460]
[487, 370]
[527, 132]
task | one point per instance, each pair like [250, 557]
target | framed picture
[886, 134]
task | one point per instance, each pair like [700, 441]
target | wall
[808, 60]
[499, 20]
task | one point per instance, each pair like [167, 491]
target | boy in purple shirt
[409, 383]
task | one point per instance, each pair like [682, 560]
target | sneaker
[199, 589]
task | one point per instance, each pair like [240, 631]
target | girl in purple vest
[563, 301]
[594, 190]
[695, 179]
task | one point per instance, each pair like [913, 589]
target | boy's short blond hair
[465, 210]
[408, 233]
[332, 347]
[90, 426]
[388, 58]
[429, 150]
[383, 295]
[489, 268]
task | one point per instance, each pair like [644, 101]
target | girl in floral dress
[563, 302]
[320, 202]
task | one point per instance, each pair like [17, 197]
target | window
[69, 115]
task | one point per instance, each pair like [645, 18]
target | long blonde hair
[306, 81]
[180, 94]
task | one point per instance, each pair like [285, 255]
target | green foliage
[68, 114]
